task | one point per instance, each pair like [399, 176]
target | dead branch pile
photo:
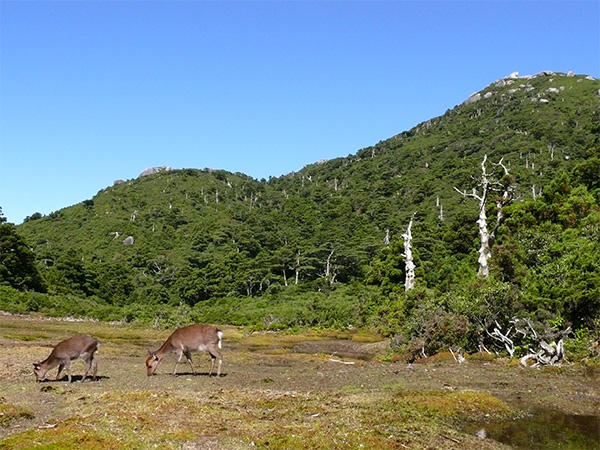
[522, 334]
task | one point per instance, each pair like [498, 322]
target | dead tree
[548, 355]
[408, 258]
[488, 185]
[504, 338]
[505, 189]
[297, 267]
[521, 333]
[459, 357]
[330, 269]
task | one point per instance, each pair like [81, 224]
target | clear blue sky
[94, 91]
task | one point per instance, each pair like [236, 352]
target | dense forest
[478, 222]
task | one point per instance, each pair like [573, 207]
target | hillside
[323, 245]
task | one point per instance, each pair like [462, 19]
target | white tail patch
[220, 334]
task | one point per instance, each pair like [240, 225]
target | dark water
[544, 430]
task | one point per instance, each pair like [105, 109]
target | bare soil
[269, 381]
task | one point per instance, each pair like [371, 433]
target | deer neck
[164, 350]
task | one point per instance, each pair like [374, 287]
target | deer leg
[188, 355]
[60, 368]
[212, 364]
[94, 369]
[68, 367]
[177, 362]
[215, 354]
[88, 362]
[219, 367]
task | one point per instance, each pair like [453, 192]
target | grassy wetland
[317, 390]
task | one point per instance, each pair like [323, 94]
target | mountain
[228, 243]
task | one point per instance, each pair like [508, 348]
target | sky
[96, 91]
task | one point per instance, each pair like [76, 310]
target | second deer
[184, 341]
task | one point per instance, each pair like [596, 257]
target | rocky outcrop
[153, 170]
[472, 99]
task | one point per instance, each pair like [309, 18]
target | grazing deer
[66, 351]
[184, 341]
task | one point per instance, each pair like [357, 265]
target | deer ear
[149, 352]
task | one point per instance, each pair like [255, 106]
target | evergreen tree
[17, 260]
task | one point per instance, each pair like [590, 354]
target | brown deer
[184, 341]
[66, 351]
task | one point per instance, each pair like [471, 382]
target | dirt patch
[342, 348]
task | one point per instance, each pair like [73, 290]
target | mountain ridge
[473, 98]
[241, 250]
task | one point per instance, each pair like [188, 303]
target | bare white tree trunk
[297, 267]
[484, 236]
[409, 282]
[330, 270]
[328, 265]
[504, 200]
[487, 185]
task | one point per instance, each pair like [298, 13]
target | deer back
[74, 347]
[195, 337]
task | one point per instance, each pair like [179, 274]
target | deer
[184, 341]
[82, 347]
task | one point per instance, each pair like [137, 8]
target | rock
[513, 75]
[553, 90]
[472, 99]
[153, 170]
[571, 74]
[118, 182]
[129, 240]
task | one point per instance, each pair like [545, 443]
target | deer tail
[220, 335]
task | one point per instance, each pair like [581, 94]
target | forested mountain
[323, 246]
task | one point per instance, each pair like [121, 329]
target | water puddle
[544, 430]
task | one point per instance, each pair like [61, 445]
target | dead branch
[459, 357]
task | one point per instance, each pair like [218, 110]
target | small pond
[544, 430]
